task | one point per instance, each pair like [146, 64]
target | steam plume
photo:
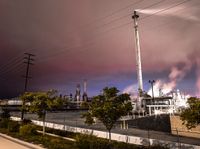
[170, 12]
[175, 76]
[132, 90]
[198, 78]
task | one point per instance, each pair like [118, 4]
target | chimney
[85, 97]
[85, 86]
[138, 55]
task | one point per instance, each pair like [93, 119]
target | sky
[73, 40]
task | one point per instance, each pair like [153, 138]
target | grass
[49, 142]
[46, 141]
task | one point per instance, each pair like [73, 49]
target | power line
[106, 16]
[124, 16]
[90, 43]
[114, 20]
[143, 18]
[114, 12]
[10, 69]
[152, 5]
[165, 9]
[121, 25]
[9, 63]
[10, 80]
[168, 23]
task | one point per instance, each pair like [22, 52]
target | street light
[152, 82]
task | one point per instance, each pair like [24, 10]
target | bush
[26, 130]
[13, 126]
[56, 143]
[4, 123]
[26, 121]
[58, 132]
[159, 147]
[5, 113]
[90, 142]
[122, 145]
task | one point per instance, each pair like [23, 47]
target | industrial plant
[149, 105]
[74, 102]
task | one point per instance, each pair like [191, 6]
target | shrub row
[92, 142]
[27, 132]
[12, 126]
[58, 132]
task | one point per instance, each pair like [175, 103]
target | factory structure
[78, 98]
[74, 101]
[150, 105]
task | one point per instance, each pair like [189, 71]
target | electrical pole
[29, 61]
[152, 82]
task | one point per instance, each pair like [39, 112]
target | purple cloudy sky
[75, 40]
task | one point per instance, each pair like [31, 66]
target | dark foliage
[13, 126]
[5, 113]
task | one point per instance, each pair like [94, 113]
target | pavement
[7, 142]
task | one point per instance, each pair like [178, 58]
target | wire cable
[165, 9]
[89, 43]
[114, 20]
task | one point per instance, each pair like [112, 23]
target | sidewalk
[7, 142]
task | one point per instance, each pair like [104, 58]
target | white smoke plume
[131, 90]
[170, 12]
[198, 78]
[162, 87]
[198, 86]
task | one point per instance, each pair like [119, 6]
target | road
[7, 144]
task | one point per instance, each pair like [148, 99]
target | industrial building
[145, 104]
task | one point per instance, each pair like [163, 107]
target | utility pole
[152, 82]
[29, 61]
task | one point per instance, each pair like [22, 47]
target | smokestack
[85, 86]
[78, 92]
[138, 54]
[85, 97]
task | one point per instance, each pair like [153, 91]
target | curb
[54, 135]
[26, 144]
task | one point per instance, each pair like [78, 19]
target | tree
[84, 105]
[108, 108]
[40, 102]
[191, 115]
